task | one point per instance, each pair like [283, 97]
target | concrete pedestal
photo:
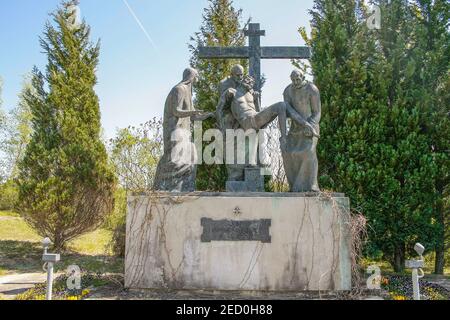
[232, 241]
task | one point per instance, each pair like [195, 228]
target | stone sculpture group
[239, 107]
[244, 239]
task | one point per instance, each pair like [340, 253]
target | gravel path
[443, 282]
[7, 218]
[118, 294]
[12, 285]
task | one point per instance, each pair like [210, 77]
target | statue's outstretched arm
[291, 112]
[294, 115]
[178, 110]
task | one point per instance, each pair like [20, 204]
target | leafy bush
[120, 209]
[8, 195]
[118, 239]
[117, 224]
[135, 153]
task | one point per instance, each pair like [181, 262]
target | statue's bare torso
[243, 107]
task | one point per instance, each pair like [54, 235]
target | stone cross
[254, 52]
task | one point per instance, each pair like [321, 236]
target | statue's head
[248, 83]
[237, 73]
[298, 79]
[190, 75]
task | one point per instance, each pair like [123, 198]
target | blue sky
[134, 75]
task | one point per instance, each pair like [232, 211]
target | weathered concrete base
[260, 241]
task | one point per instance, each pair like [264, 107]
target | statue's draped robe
[172, 174]
[300, 158]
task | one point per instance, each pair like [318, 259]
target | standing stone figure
[235, 171]
[176, 170]
[227, 121]
[300, 158]
[237, 75]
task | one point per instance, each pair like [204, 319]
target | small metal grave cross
[254, 52]
[50, 259]
[416, 266]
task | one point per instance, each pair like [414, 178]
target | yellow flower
[399, 297]
[85, 292]
[73, 298]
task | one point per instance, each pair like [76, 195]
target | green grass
[14, 228]
[93, 243]
[21, 250]
[8, 214]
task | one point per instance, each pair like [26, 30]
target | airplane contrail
[140, 24]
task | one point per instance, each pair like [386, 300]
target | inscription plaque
[231, 230]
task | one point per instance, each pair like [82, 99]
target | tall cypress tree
[66, 183]
[415, 168]
[372, 145]
[431, 84]
[222, 26]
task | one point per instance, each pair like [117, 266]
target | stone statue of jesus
[244, 108]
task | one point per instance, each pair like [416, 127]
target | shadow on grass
[25, 257]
